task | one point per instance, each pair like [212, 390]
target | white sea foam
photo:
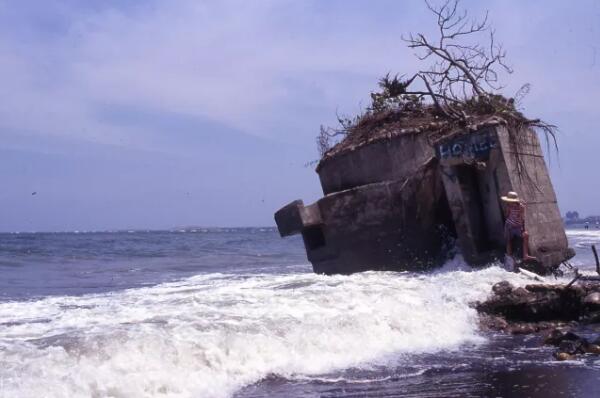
[583, 232]
[584, 238]
[209, 335]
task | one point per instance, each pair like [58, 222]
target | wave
[212, 334]
[583, 232]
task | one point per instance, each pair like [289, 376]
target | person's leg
[508, 238]
[526, 255]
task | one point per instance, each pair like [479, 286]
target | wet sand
[505, 366]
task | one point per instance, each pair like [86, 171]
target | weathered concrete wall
[386, 225]
[385, 160]
[294, 217]
[548, 241]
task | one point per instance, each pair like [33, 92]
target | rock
[572, 346]
[570, 336]
[591, 317]
[563, 356]
[502, 288]
[520, 292]
[592, 349]
[592, 300]
[577, 290]
[544, 325]
[523, 328]
[493, 322]
[554, 337]
[557, 336]
[589, 286]
[540, 287]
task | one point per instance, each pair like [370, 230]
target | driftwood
[541, 306]
[596, 258]
[579, 276]
[545, 307]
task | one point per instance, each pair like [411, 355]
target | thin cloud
[155, 77]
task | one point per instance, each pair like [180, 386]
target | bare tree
[462, 69]
[461, 79]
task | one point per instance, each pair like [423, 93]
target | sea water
[238, 312]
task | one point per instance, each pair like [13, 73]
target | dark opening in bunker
[481, 203]
[313, 237]
[445, 224]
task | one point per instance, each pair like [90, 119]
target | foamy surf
[210, 335]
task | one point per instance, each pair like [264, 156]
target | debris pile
[411, 115]
[540, 306]
[552, 309]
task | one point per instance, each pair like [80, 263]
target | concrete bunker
[407, 198]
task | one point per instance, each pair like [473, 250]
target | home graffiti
[471, 147]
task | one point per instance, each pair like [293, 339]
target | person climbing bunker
[514, 226]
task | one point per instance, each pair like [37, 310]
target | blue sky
[153, 114]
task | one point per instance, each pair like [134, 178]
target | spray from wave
[210, 335]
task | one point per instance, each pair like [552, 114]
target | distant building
[582, 221]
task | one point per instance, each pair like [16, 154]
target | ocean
[239, 313]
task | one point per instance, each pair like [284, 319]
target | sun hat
[511, 197]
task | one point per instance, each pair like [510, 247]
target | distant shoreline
[168, 230]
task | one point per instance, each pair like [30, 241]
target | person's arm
[523, 208]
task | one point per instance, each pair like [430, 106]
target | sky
[156, 114]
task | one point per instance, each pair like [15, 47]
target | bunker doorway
[475, 202]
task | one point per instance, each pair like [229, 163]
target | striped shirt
[515, 216]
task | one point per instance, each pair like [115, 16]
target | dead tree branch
[460, 70]
[459, 84]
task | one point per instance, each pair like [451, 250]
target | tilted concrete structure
[401, 200]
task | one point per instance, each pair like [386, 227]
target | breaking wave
[210, 335]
